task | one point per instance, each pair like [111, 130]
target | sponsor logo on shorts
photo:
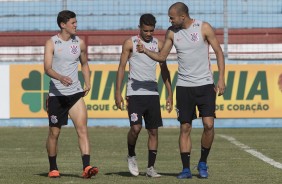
[133, 117]
[54, 119]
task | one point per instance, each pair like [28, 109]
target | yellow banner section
[253, 91]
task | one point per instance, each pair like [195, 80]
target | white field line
[252, 151]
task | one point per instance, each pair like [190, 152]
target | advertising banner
[252, 91]
[5, 92]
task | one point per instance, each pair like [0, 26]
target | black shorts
[58, 108]
[146, 106]
[188, 98]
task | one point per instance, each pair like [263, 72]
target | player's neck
[64, 36]
[188, 23]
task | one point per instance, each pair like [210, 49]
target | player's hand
[119, 102]
[220, 88]
[86, 90]
[140, 47]
[66, 81]
[169, 104]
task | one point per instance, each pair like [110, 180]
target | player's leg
[206, 143]
[153, 121]
[132, 137]
[152, 153]
[186, 113]
[52, 149]
[207, 137]
[185, 147]
[57, 115]
[78, 114]
[134, 107]
[152, 146]
[206, 106]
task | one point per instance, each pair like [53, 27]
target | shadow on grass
[127, 174]
[61, 174]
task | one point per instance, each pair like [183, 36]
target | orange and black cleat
[54, 174]
[89, 171]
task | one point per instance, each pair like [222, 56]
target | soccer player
[63, 52]
[195, 85]
[142, 92]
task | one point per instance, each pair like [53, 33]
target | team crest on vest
[74, 49]
[194, 37]
[152, 48]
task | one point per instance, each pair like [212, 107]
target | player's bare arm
[125, 54]
[164, 52]
[211, 38]
[85, 67]
[48, 60]
[167, 81]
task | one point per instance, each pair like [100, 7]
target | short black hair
[64, 16]
[147, 19]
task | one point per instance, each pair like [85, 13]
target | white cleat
[151, 172]
[132, 165]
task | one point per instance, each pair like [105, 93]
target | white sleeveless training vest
[194, 68]
[142, 70]
[65, 62]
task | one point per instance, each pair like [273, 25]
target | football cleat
[203, 170]
[185, 174]
[132, 165]
[54, 174]
[89, 171]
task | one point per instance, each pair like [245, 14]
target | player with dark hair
[142, 92]
[63, 52]
[195, 85]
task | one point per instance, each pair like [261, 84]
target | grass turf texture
[23, 158]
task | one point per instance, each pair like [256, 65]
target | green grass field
[23, 157]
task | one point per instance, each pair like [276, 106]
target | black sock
[85, 160]
[53, 162]
[185, 158]
[152, 154]
[204, 154]
[131, 150]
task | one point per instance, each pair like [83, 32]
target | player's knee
[185, 128]
[153, 132]
[208, 126]
[135, 130]
[81, 131]
[54, 134]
